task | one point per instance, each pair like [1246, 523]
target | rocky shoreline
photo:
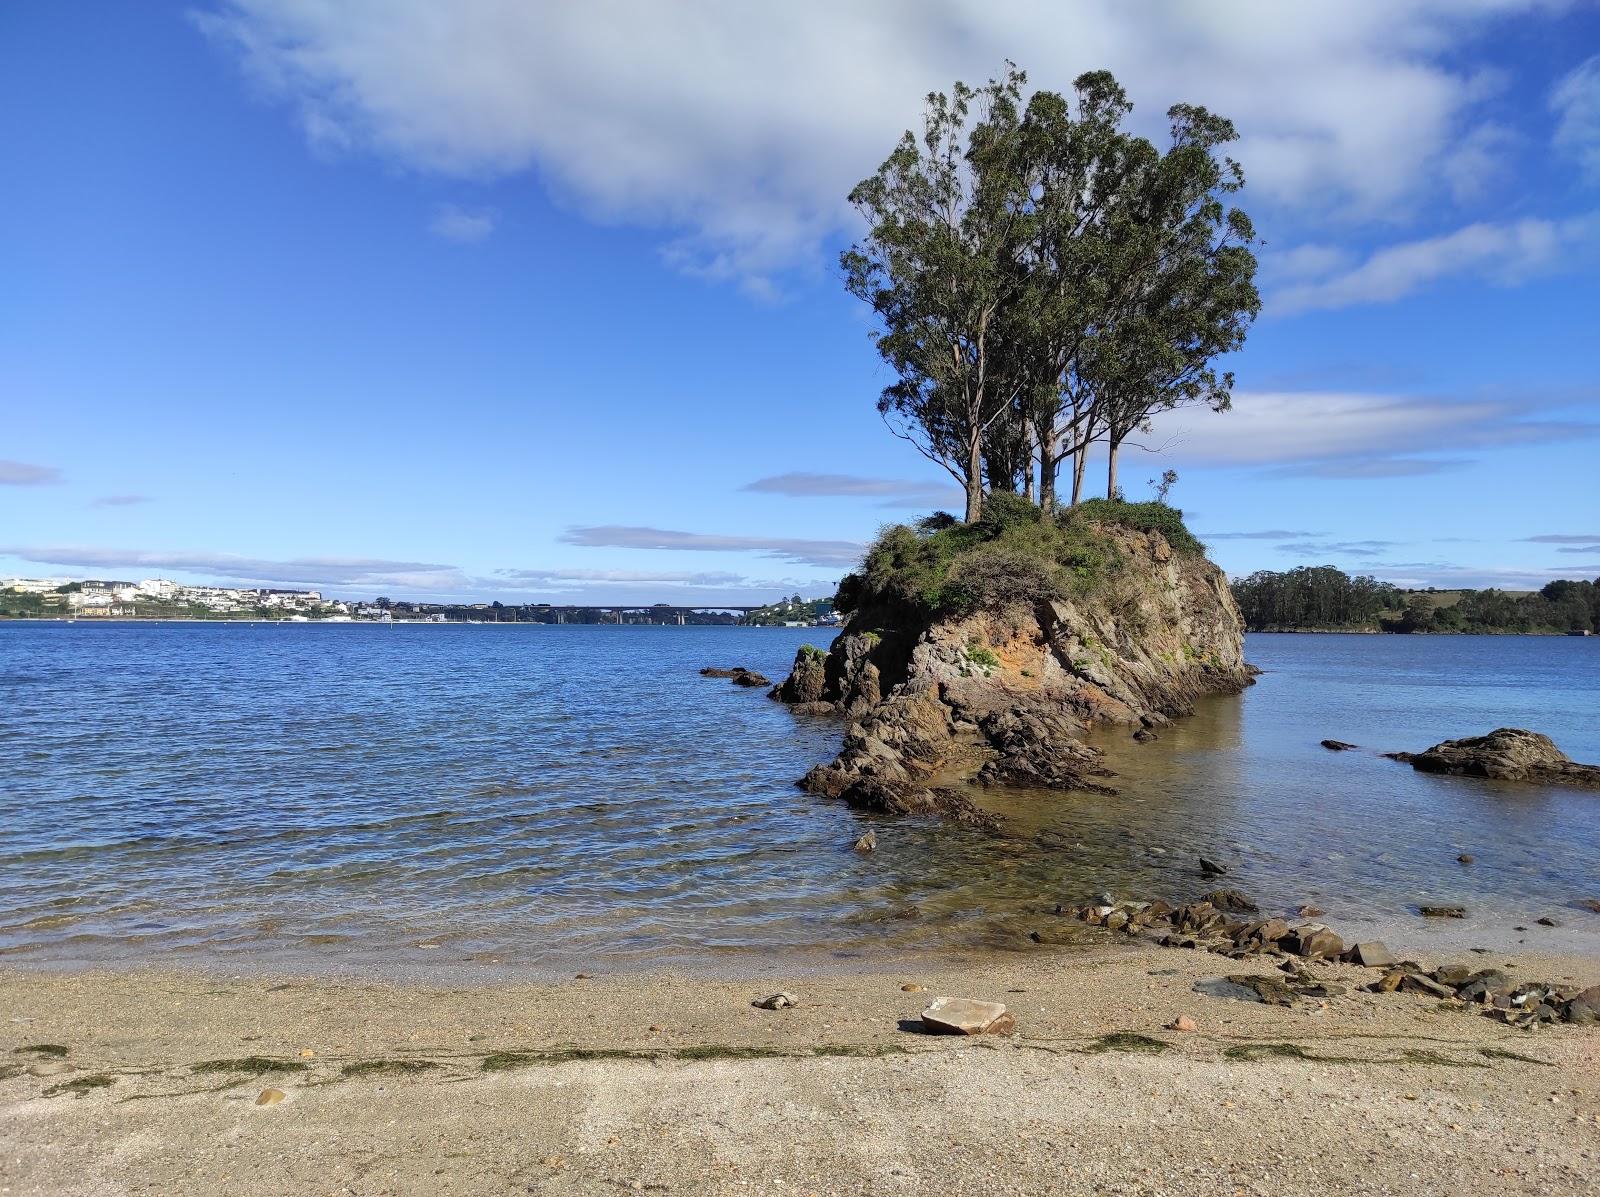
[1003, 697]
[1211, 923]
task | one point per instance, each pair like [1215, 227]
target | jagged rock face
[1505, 754]
[1003, 698]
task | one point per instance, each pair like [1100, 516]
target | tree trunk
[1111, 467]
[1048, 465]
[1079, 460]
[974, 479]
[1027, 462]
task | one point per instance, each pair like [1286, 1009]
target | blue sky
[538, 303]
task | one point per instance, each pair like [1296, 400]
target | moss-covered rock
[953, 667]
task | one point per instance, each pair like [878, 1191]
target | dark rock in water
[739, 675]
[1144, 735]
[868, 842]
[1547, 921]
[1371, 955]
[807, 683]
[897, 798]
[1339, 745]
[1230, 899]
[1465, 858]
[1506, 754]
[1310, 912]
[1212, 869]
[1442, 912]
[1590, 904]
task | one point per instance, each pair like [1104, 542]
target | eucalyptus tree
[1077, 165]
[1187, 290]
[938, 265]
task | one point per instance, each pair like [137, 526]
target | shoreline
[670, 1083]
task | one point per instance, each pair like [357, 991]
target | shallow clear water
[362, 796]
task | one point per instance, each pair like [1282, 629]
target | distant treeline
[1324, 598]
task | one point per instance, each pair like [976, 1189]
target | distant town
[161, 598]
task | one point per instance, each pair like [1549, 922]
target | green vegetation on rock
[1013, 553]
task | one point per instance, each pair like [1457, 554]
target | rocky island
[980, 653]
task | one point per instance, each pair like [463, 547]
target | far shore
[171, 1082]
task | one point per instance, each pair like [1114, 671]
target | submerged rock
[1443, 911]
[739, 675]
[1232, 900]
[1506, 754]
[1339, 745]
[1212, 869]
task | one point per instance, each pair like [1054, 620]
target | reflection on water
[323, 796]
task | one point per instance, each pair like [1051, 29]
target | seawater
[320, 797]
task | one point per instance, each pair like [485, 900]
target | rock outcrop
[1003, 697]
[1506, 754]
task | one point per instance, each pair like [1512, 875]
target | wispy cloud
[1264, 534]
[1338, 434]
[298, 571]
[1337, 548]
[1564, 538]
[1503, 254]
[455, 223]
[827, 553]
[1382, 467]
[21, 473]
[120, 500]
[893, 492]
[1576, 103]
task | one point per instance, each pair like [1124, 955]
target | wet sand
[678, 1084]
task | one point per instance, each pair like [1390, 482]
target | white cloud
[21, 473]
[826, 553]
[739, 128]
[1576, 103]
[1504, 254]
[455, 223]
[1368, 435]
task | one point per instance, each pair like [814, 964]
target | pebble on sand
[967, 1016]
[270, 1097]
[776, 1001]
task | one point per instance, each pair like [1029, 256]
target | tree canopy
[1045, 281]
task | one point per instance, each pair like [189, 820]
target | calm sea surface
[366, 797]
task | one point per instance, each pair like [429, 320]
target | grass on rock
[1013, 554]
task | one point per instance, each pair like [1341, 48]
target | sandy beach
[152, 1082]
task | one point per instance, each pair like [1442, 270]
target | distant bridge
[673, 611]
